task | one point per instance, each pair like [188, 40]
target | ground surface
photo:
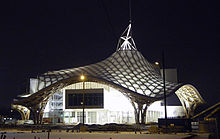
[65, 135]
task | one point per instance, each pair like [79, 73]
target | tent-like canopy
[126, 70]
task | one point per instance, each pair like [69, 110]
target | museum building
[124, 88]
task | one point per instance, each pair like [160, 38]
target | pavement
[101, 135]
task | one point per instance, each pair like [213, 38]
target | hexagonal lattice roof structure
[126, 70]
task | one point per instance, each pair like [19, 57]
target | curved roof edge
[189, 98]
[45, 93]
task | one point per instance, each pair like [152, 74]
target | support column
[140, 110]
[24, 111]
[35, 116]
[38, 111]
[136, 113]
[143, 114]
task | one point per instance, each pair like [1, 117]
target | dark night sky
[36, 37]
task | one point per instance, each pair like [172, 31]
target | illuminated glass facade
[93, 98]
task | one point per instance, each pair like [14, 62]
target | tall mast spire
[126, 42]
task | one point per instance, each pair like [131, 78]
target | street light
[82, 78]
[156, 63]
[164, 90]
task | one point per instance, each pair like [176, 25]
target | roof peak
[126, 41]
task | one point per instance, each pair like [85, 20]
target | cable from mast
[130, 11]
[108, 18]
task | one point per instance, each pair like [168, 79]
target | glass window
[73, 114]
[93, 98]
[80, 117]
[91, 117]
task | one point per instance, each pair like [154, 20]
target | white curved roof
[126, 69]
